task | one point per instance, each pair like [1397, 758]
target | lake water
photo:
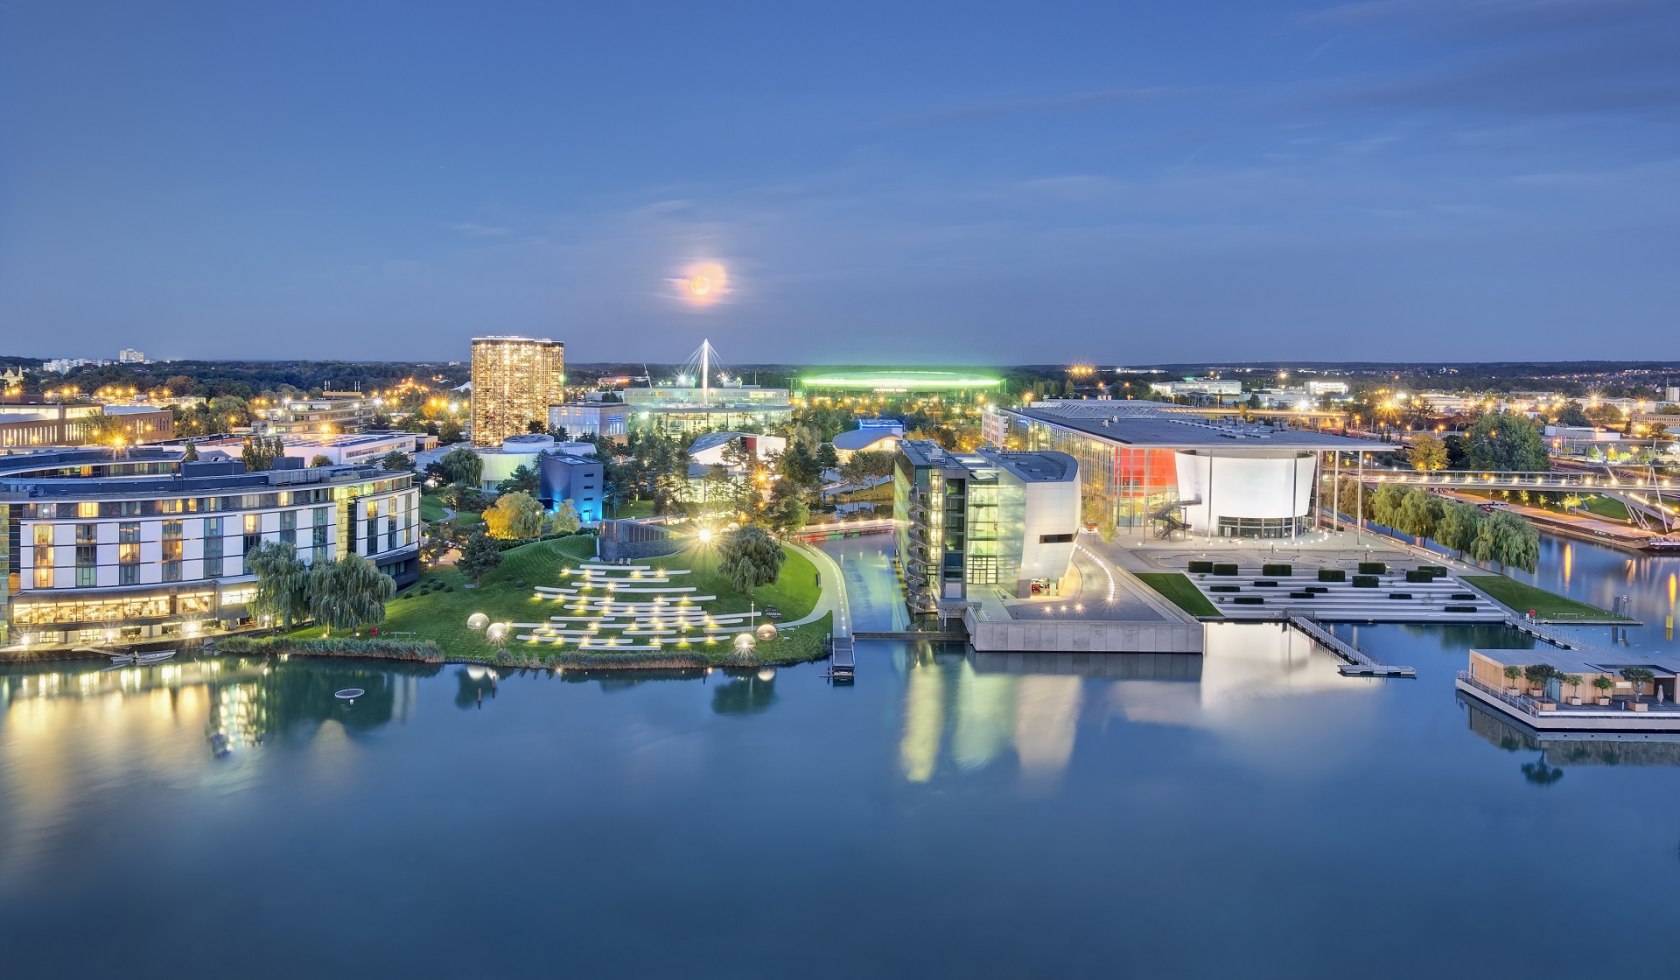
[1250, 812]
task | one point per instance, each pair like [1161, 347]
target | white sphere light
[496, 633]
[744, 642]
[767, 631]
[477, 621]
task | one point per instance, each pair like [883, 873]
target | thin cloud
[474, 230]
[1065, 102]
[1482, 17]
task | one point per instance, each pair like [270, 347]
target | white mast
[705, 372]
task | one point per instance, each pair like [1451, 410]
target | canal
[1247, 812]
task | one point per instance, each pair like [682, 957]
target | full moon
[702, 284]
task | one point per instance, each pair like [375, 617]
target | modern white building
[987, 518]
[1165, 468]
[129, 355]
[565, 470]
[708, 450]
[143, 547]
[871, 436]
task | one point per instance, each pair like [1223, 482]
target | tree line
[1501, 537]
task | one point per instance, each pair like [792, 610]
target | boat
[140, 659]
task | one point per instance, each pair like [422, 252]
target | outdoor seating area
[1577, 689]
[633, 608]
[1347, 591]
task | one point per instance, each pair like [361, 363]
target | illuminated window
[87, 508]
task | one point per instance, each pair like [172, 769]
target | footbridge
[1646, 494]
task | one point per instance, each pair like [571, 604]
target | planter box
[1548, 706]
[1201, 566]
[1638, 706]
[1224, 568]
[1604, 702]
[1372, 567]
[1332, 575]
[1536, 692]
[1575, 701]
[1364, 581]
[1278, 570]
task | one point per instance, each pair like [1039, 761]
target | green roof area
[899, 380]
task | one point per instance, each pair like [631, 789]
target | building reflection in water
[68, 727]
[985, 704]
[1545, 757]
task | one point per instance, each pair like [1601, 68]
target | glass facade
[514, 381]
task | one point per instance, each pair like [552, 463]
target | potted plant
[1512, 672]
[1604, 684]
[1637, 676]
[1537, 675]
[1574, 681]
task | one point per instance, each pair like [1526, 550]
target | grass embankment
[1608, 508]
[432, 509]
[436, 609]
[1181, 592]
[1547, 606]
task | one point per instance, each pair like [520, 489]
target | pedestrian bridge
[1644, 492]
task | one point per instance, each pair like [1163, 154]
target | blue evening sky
[885, 182]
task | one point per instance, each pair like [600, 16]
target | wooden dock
[1356, 662]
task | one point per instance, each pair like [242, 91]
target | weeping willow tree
[349, 593]
[751, 558]
[282, 582]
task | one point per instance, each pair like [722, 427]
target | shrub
[1464, 596]
[1433, 569]
[1276, 569]
[1372, 568]
[1262, 583]
[1249, 600]
[1303, 595]
[424, 651]
[1224, 588]
[1224, 568]
[1364, 581]
[1201, 567]
[1399, 595]
[1332, 575]
[1459, 609]
[1420, 576]
[1317, 589]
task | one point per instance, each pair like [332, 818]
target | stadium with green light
[899, 382]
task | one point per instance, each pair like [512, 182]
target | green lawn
[1547, 606]
[506, 594]
[1180, 591]
[431, 509]
[1606, 507]
[633, 508]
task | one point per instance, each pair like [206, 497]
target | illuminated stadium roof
[899, 381]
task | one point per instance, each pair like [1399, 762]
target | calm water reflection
[1248, 812]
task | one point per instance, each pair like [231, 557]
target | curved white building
[1246, 494]
[1162, 468]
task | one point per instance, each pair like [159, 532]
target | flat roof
[1584, 661]
[899, 380]
[1156, 425]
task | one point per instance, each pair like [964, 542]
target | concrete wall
[1077, 637]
